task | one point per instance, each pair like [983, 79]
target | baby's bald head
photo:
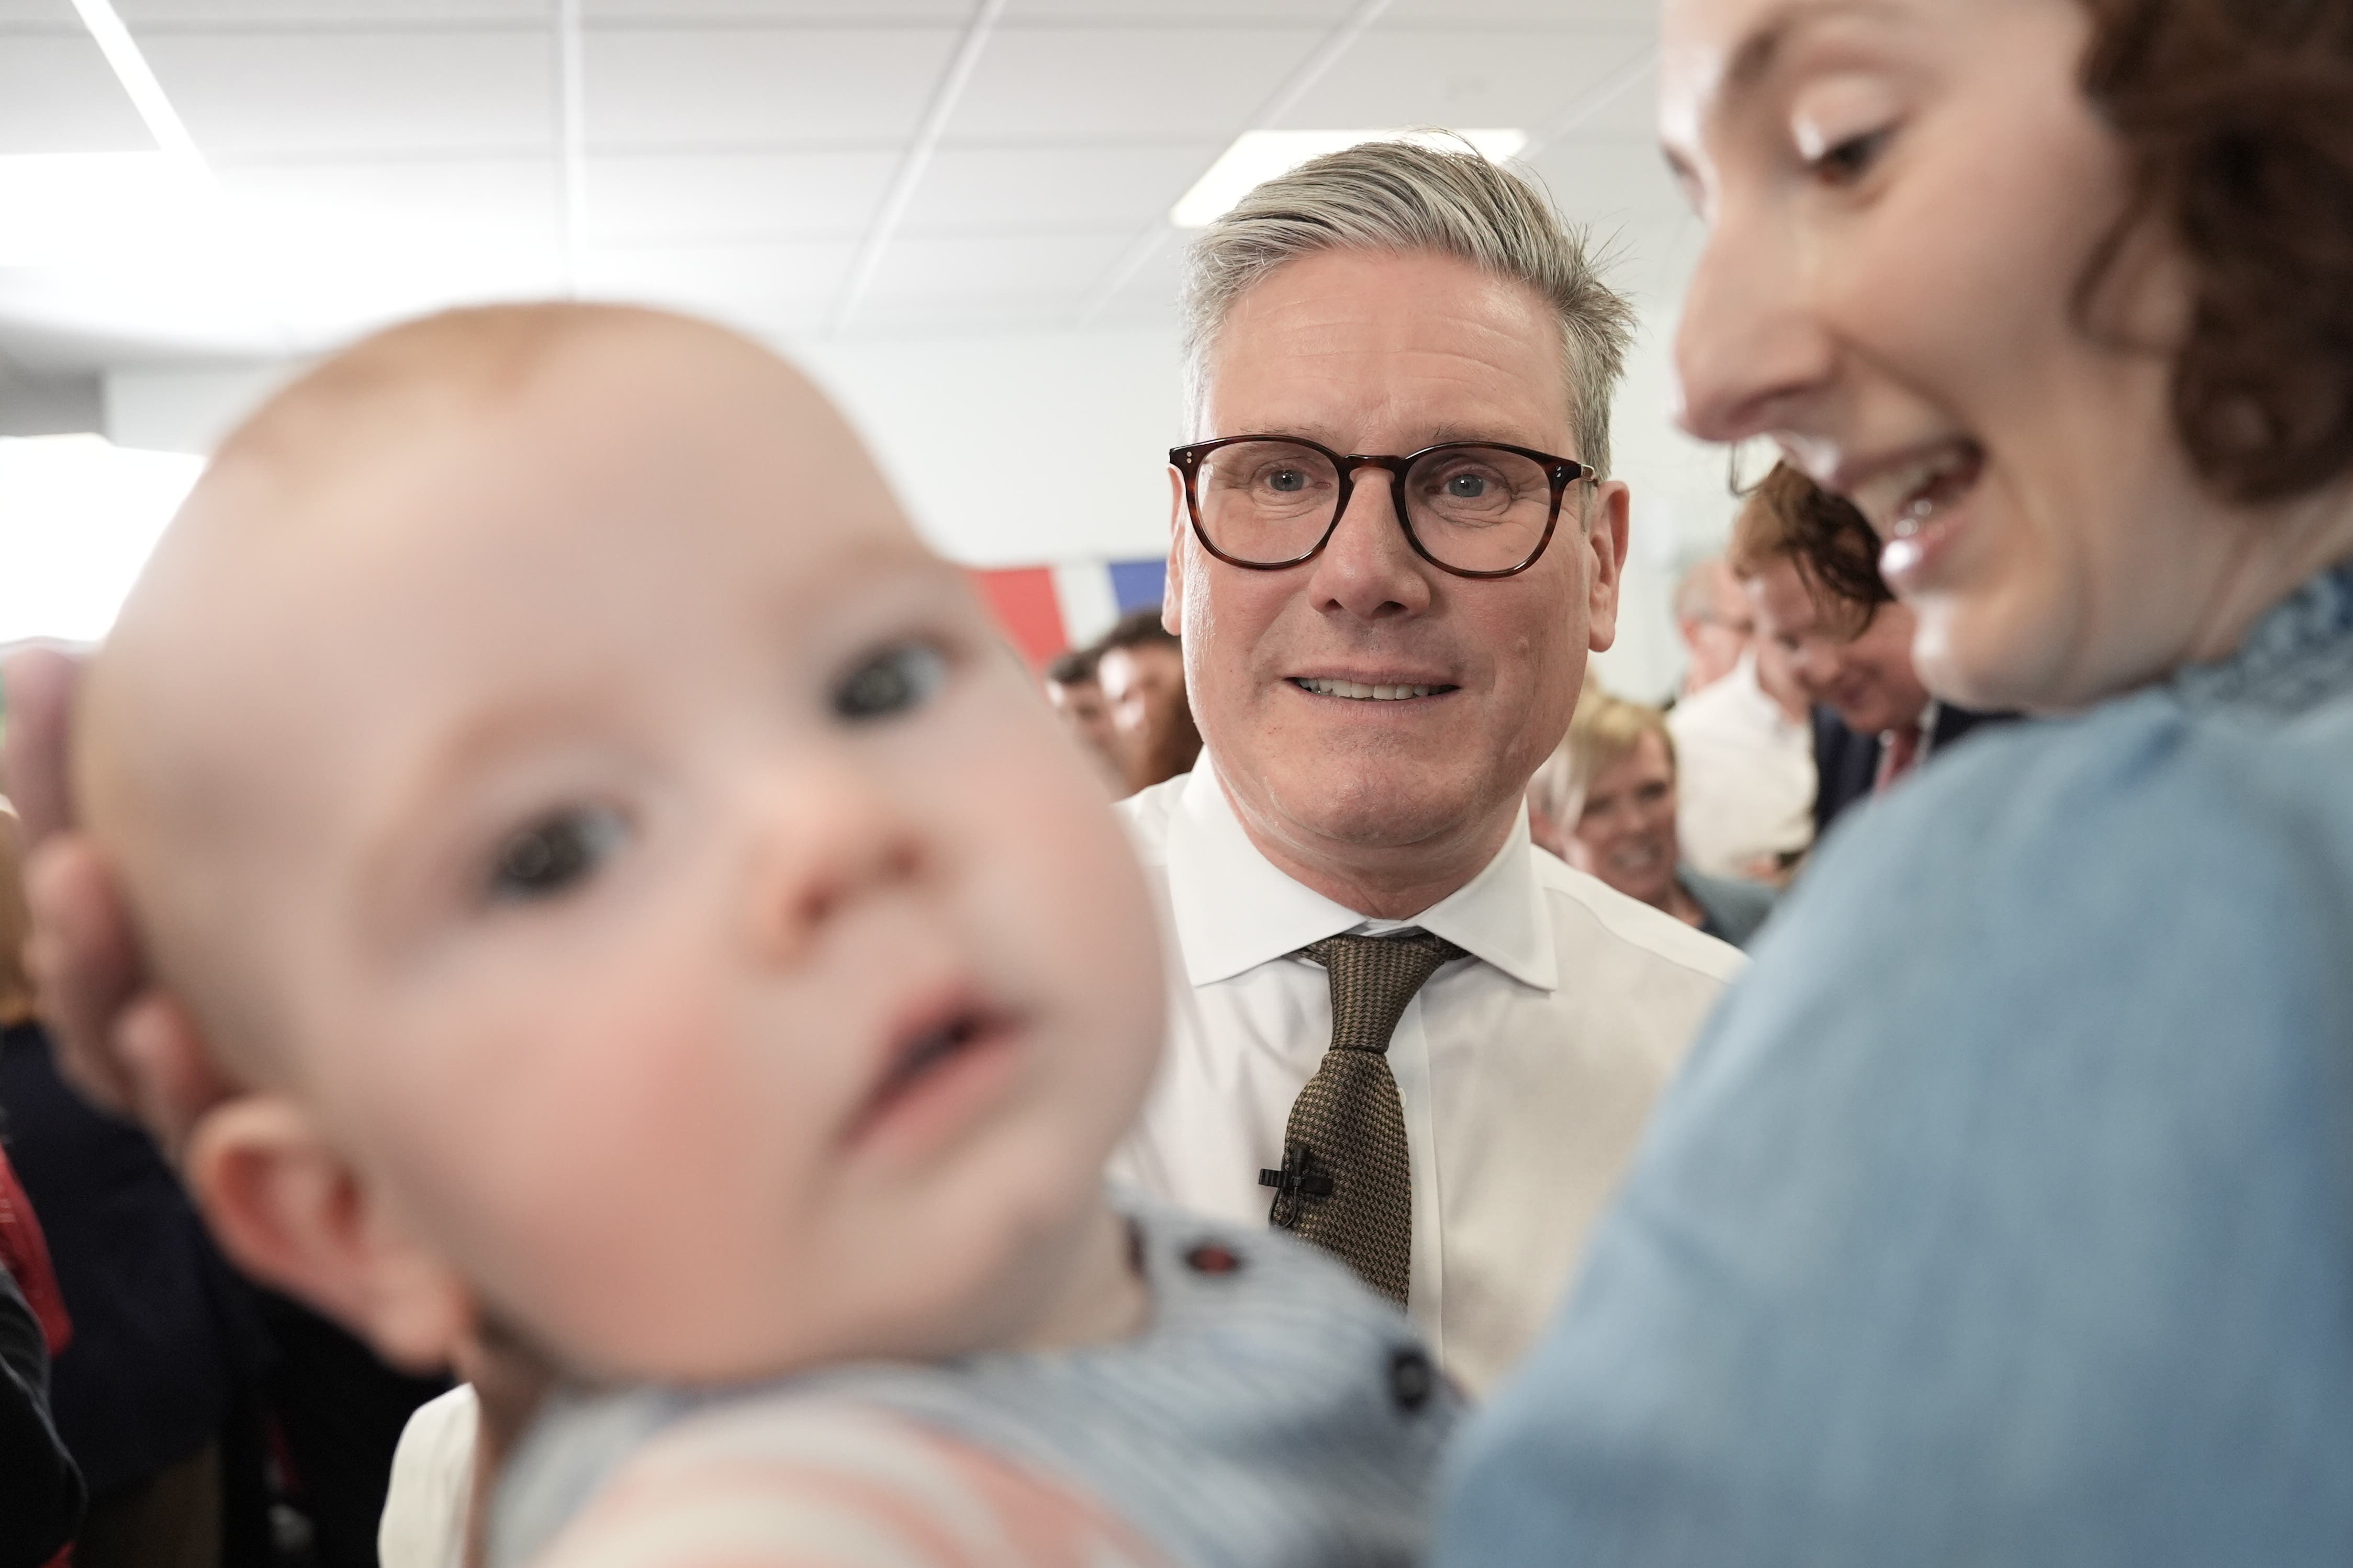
[203, 722]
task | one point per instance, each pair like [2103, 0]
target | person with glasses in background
[1744, 748]
[1713, 621]
[1399, 1029]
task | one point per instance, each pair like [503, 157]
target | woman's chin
[1967, 655]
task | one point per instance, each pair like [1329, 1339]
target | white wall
[185, 409]
[1017, 451]
[1683, 508]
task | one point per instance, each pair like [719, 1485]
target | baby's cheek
[608, 1161]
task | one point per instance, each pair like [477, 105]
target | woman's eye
[891, 681]
[556, 853]
[1843, 163]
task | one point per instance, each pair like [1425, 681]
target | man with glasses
[1399, 1029]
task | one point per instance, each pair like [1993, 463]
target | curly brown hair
[2238, 116]
[1829, 542]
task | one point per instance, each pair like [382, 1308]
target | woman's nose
[1750, 354]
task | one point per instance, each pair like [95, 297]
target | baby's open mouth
[929, 1056]
[929, 1050]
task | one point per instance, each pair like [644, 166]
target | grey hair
[1400, 197]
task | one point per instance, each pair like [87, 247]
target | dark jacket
[1846, 763]
[41, 1492]
[163, 1332]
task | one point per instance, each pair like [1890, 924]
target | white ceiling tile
[1629, 113]
[1084, 84]
[1469, 79]
[929, 320]
[320, 307]
[733, 283]
[785, 13]
[1056, 187]
[359, 93]
[998, 267]
[1151, 289]
[739, 150]
[58, 95]
[668, 87]
[1641, 13]
[1595, 178]
[450, 203]
[1238, 13]
[696, 197]
[157, 17]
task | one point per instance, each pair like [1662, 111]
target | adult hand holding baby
[123, 1043]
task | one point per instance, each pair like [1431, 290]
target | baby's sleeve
[830, 1486]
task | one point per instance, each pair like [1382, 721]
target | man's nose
[1369, 569]
[1815, 666]
[825, 839]
[1750, 354]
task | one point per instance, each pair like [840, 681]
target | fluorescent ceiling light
[74, 206]
[1258, 156]
[79, 517]
[79, 207]
[131, 69]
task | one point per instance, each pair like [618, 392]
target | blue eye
[890, 681]
[556, 853]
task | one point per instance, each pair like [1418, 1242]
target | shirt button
[1412, 1379]
[1209, 1257]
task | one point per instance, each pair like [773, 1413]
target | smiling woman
[2003, 1215]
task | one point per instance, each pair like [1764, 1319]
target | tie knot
[1373, 977]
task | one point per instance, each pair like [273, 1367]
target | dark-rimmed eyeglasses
[1476, 508]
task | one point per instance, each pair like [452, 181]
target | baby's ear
[295, 1215]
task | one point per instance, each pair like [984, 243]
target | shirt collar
[2297, 656]
[1234, 910]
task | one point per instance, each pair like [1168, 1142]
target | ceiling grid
[898, 168]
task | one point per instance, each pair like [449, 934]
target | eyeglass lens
[1475, 508]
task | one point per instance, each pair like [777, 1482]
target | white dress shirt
[431, 1491]
[1526, 1070]
[1743, 775]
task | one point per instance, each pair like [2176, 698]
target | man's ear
[1172, 593]
[1605, 525]
[295, 1215]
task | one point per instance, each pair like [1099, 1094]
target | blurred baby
[653, 922]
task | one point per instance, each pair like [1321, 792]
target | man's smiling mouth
[1358, 691]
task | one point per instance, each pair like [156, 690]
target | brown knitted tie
[1346, 1182]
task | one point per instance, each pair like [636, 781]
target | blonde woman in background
[1605, 802]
